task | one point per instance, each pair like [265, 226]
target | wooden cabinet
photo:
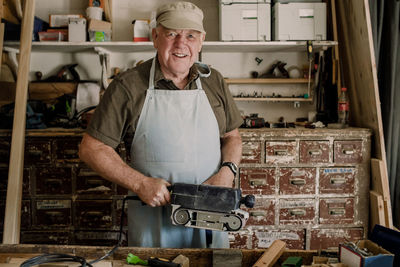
[311, 186]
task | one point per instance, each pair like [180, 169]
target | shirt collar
[159, 76]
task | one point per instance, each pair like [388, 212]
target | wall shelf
[273, 99]
[208, 46]
[267, 81]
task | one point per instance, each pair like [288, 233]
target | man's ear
[154, 34]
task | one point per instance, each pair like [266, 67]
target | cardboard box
[245, 20]
[353, 258]
[99, 25]
[62, 20]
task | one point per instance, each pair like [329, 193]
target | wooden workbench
[197, 257]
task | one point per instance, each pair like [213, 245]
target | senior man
[185, 126]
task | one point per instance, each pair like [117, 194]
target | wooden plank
[380, 184]
[12, 218]
[377, 212]
[1, 39]
[359, 69]
[271, 255]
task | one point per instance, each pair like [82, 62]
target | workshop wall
[231, 65]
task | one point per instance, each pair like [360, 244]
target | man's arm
[106, 162]
[231, 151]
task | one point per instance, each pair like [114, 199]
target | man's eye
[172, 34]
[191, 36]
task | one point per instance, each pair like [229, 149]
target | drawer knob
[314, 152]
[297, 212]
[258, 213]
[297, 181]
[348, 151]
[337, 212]
[280, 152]
[257, 182]
[337, 180]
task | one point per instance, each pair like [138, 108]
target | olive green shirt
[119, 110]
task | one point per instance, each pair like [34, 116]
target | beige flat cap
[180, 16]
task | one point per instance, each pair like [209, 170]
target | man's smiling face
[177, 49]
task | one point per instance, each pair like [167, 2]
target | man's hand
[153, 191]
[224, 177]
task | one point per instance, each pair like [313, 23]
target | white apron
[177, 139]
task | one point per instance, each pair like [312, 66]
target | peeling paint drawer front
[337, 180]
[263, 212]
[295, 239]
[89, 182]
[336, 211]
[26, 218]
[348, 151]
[293, 181]
[251, 152]
[280, 152]
[53, 181]
[5, 151]
[53, 213]
[67, 149]
[38, 151]
[257, 181]
[4, 182]
[98, 238]
[314, 151]
[241, 240]
[93, 214]
[296, 211]
[45, 237]
[331, 238]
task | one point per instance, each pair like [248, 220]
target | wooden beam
[12, 218]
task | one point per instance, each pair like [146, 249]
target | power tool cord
[55, 257]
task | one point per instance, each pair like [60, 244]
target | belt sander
[209, 207]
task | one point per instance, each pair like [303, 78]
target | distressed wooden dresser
[311, 186]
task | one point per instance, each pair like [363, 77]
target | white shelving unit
[214, 46]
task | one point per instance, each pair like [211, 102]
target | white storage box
[77, 30]
[299, 21]
[245, 20]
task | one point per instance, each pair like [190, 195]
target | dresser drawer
[53, 213]
[314, 151]
[297, 181]
[337, 180]
[53, 181]
[67, 149]
[263, 212]
[331, 238]
[347, 151]
[280, 152]
[257, 181]
[93, 214]
[89, 182]
[336, 211]
[296, 211]
[38, 151]
[5, 151]
[251, 152]
[294, 239]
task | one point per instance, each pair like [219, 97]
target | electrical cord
[54, 257]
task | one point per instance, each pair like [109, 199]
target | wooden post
[12, 218]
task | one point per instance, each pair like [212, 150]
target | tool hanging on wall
[104, 56]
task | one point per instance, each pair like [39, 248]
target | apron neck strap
[198, 82]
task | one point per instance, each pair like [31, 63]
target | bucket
[94, 13]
